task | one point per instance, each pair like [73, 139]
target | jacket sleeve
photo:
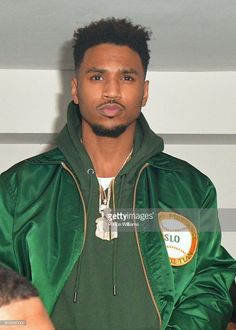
[205, 303]
[7, 205]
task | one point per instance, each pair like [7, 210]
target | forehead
[111, 56]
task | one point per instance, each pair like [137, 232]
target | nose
[111, 90]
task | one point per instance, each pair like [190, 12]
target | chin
[112, 132]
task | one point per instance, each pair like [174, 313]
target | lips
[110, 110]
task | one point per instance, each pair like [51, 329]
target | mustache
[111, 104]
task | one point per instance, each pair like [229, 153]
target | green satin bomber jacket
[42, 236]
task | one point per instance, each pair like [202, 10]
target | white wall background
[34, 101]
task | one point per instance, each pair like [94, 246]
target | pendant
[106, 229]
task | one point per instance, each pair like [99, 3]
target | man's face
[110, 87]
[31, 311]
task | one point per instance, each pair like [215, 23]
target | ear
[145, 92]
[74, 90]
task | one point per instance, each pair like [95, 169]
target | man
[59, 214]
[20, 305]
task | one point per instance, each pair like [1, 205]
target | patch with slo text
[180, 236]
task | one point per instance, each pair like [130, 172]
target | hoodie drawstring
[115, 246]
[75, 295]
[114, 268]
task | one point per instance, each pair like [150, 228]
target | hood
[146, 145]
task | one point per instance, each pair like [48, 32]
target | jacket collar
[161, 161]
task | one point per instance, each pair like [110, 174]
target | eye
[96, 77]
[127, 78]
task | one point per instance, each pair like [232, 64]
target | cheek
[134, 94]
[89, 96]
[85, 87]
[135, 99]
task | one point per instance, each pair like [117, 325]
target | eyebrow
[129, 71]
[94, 69]
[100, 70]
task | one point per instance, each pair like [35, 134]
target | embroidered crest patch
[180, 236]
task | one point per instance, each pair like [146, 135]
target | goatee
[108, 132]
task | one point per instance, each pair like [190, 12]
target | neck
[108, 155]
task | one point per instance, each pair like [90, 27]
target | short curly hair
[113, 30]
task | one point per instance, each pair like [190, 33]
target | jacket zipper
[82, 199]
[139, 249]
